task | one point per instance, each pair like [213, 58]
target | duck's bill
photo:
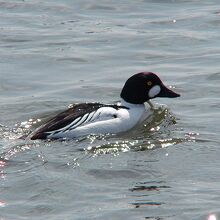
[165, 92]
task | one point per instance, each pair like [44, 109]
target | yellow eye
[149, 83]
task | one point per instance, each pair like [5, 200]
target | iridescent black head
[144, 86]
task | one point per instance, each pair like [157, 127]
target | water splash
[155, 132]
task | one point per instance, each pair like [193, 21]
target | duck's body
[96, 118]
[93, 118]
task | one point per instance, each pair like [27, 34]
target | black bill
[165, 92]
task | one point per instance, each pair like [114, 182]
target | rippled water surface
[54, 53]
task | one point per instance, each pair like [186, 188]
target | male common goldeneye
[96, 118]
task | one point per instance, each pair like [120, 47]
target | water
[54, 53]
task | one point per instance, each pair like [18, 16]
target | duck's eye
[149, 83]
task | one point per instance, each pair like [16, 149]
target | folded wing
[73, 116]
[77, 115]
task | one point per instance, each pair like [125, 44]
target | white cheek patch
[155, 90]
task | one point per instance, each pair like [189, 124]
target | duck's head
[141, 87]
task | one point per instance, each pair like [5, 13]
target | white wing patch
[89, 117]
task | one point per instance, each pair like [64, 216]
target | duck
[84, 119]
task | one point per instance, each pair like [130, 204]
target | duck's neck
[131, 105]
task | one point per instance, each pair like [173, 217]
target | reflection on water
[148, 188]
[141, 193]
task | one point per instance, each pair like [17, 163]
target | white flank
[104, 121]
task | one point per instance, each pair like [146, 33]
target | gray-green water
[54, 53]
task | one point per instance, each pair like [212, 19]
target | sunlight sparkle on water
[2, 204]
[212, 217]
[157, 128]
